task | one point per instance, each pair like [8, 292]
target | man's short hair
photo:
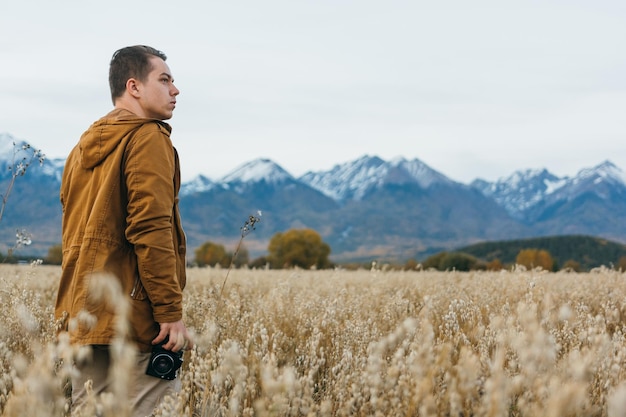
[130, 62]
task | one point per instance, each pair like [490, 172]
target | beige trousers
[146, 391]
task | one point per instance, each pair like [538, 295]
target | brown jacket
[119, 195]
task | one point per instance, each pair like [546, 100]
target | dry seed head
[565, 312]
[250, 224]
[617, 401]
[83, 318]
[27, 318]
[105, 288]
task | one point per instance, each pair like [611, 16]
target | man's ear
[132, 86]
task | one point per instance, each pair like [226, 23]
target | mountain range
[364, 209]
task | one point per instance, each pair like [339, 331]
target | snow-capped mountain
[599, 179]
[199, 184]
[16, 155]
[261, 169]
[523, 192]
[252, 172]
[352, 180]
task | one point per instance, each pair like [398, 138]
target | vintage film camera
[164, 363]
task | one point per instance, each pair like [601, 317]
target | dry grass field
[353, 343]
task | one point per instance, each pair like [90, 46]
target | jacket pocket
[138, 292]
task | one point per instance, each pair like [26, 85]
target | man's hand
[177, 334]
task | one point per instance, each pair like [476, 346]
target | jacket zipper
[136, 287]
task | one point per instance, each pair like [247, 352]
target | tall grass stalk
[248, 226]
[18, 168]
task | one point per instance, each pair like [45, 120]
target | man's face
[157, 92]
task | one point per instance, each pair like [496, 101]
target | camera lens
[162, 364]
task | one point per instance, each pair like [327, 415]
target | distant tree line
[459, 261]
[575, 252]
[304, 248]
[571, 253]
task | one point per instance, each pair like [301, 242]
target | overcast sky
[474, 89]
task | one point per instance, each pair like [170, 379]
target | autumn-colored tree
[55, 255]
[411, 265]
[572, 265]
[211, 254]
[621, 264]
[494, 265]
[303, 248]
[532, 258]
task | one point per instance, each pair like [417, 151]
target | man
[119, 195]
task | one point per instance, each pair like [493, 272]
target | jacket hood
[104, 135]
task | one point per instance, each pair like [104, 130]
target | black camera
[164, 363]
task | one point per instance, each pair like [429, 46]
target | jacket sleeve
[149, 170]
